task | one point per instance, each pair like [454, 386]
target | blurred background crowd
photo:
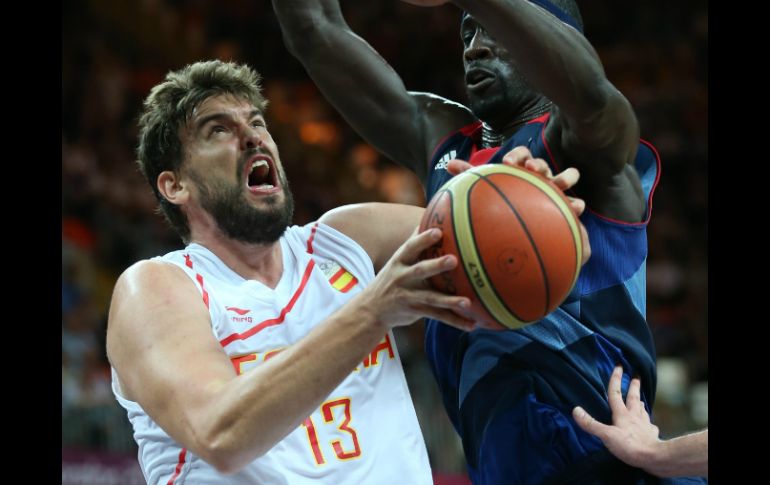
[113, 52]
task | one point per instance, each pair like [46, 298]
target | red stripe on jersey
[553, 161]
[310, 240]
[467, 130]
[482, 156]
[179, 464]
[350, 285]
[199, 278]
[539, 119]
[205, 293]
[273, 321]
[649, 199]
[337, 275]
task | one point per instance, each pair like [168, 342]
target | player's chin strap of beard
[555, 11]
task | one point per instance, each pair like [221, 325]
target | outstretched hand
[631, 437]
[521, 157]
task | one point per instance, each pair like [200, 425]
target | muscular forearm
[353, 77]
[256, 410]
[685, 455]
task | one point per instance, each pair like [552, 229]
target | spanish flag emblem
[339, 277]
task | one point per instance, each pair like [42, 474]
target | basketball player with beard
[262, 353]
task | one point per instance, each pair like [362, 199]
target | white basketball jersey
[365, 431]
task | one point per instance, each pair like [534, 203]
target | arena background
[113, 52]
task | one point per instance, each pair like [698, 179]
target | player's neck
[259, 262]
[495, 137]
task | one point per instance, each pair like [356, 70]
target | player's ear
[173, 188]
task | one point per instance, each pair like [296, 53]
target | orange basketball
[517, 241]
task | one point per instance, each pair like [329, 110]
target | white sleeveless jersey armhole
[366, 431]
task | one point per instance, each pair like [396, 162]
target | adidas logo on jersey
[441, 165]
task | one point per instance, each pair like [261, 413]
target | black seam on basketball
[481, 260]
[459, 252]
[561, 213]
[529, 237]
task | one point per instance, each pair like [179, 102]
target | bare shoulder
[151, 298]
[437, 103]
[439, 118]
[355, 220]
[162, 347]
[442, 115]
[147, 280]
[379, 228]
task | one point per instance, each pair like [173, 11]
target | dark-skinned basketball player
[533, 80]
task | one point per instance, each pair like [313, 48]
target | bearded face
[238, 218]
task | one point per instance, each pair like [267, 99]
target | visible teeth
[265, 186]
[258, 163]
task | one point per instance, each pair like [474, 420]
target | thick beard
[241, 221]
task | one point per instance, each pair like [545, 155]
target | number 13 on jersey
[333, 412]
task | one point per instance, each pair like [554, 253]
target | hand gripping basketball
[517, 239]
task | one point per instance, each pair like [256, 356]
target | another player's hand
[631, 437]
[522, 157]
[565, 180]
[400, 294]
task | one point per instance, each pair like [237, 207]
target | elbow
[226, 460]
[216, 451]
[224, 452]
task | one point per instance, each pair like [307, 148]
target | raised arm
[159, 341]
[362, 86]
[593, 126]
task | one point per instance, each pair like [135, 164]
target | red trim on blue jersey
[469, 130]
[600, 216]
[649, 199]
[545, 119]
[541, 118]
[481, 157]
[273, 321]
[657, 177]
[179, 465]
[466, 130]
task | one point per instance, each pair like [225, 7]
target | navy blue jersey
[510, 394]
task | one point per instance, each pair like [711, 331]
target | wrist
[364, 309]
[656, 459]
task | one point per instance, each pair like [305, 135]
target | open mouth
[262, 175]
[477, 79]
